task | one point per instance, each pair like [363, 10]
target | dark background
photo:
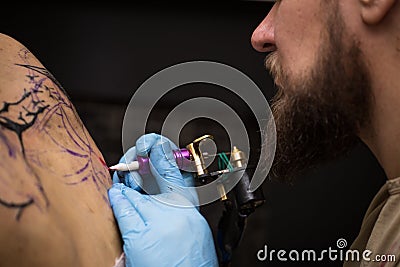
[101, 53]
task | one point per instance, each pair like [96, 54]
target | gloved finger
[145, 143]
[129, 220]
[188, 179]
[130, 179]
[116, 179]
[164, 168]
[190, 190]
[139, 201]
[176, 200]
[129, 155]
[134, 180]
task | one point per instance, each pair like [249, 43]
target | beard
[319, 115]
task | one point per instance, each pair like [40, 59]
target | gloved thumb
[163, 166]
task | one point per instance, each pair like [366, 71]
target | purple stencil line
[35, 89]
[79, 171]
[11, 152]
[67, 121]
[47, 116]
[84, 179]
[76, 154]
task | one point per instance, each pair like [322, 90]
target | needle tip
[112, 168]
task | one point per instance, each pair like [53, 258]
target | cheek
[298, 27]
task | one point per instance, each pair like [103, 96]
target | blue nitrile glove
[164, 229]
[161, 148]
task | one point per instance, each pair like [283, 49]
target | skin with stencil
[53, 193]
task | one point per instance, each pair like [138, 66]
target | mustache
[274, 67]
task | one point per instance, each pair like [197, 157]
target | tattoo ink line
[19, 206]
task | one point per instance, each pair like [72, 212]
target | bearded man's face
[322, 102]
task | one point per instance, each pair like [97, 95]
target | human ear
[374, 11]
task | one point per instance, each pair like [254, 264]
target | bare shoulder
[13, 56]
[53, 177]
[11, 49]
[6, 40]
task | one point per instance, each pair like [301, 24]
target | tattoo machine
[238, 204]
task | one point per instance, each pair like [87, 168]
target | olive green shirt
[380, 229]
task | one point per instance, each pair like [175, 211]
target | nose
[263, 39]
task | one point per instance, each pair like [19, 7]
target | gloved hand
[159, 146]
[164, 229]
